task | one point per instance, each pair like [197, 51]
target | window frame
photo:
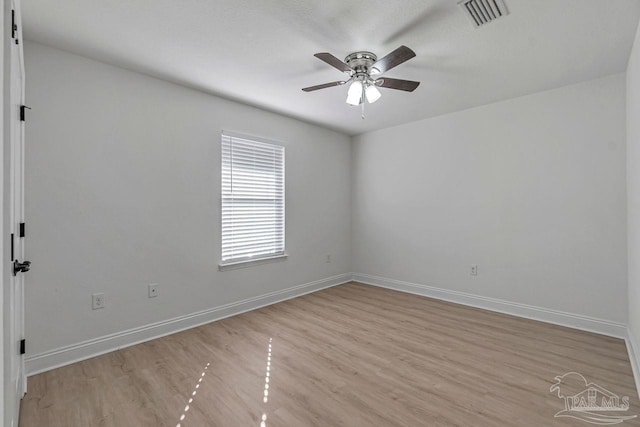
[235, 263]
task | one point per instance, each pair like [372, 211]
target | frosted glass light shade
[354, 95]
[373, 94]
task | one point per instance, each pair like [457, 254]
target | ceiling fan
[363, 69]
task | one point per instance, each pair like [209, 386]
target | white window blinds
[252, 199]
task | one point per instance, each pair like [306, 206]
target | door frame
[12, 180]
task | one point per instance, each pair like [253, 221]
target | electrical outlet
[328, 258]
[153, 290]
[474, 269]
[97, 301]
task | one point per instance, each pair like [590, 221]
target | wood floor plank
[352, 355]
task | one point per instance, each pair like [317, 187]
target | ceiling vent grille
[482, 12]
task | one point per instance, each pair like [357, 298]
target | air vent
[482, 12]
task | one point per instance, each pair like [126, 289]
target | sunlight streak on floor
[267, 378]
[195, 391]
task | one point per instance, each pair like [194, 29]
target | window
[252, 199]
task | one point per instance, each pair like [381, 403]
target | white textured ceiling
[261, 51]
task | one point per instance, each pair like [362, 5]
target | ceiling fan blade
[406, 85]
[393, 59]
[322, 86]
[333, 61]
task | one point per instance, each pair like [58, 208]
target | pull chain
[363, 101]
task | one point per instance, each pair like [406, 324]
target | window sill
[251, 263]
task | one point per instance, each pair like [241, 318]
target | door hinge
[11, 246]
[22, 229]
[14, 27]
[23, 346]
[22, 111]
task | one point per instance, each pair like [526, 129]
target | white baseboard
[94, 347]
[556, 317]
[634, 358]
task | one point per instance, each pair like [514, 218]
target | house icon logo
[588, 401]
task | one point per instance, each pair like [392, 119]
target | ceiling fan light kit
[373, 94]
[354, 94]
[363, 68]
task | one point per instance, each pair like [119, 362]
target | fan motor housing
[361, 61]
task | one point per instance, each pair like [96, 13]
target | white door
[14, 295]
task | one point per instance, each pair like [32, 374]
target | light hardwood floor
[352, 355]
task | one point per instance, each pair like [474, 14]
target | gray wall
[123, 190]
[633, 195]
[532, 190]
